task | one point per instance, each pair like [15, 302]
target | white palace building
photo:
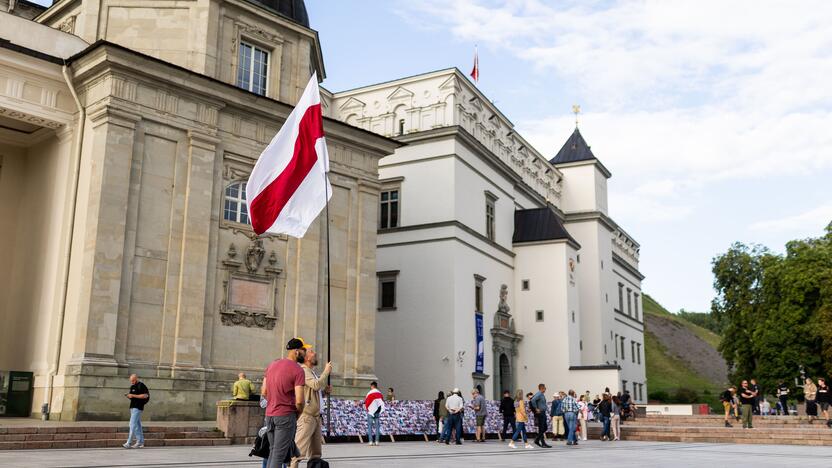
[497, 266]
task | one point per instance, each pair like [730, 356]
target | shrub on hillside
[659, 395]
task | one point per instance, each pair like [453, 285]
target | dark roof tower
[575, 149]
[295, 10]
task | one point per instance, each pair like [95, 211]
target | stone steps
[16, 438]
[717, 421]
[736, 435]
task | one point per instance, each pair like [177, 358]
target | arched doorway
[505, 374]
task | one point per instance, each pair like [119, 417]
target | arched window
[235, 208]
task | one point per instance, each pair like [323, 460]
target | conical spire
[575, 149]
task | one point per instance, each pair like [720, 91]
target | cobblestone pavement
[418, 454]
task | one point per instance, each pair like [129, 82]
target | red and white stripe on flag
[373, 401]
[475, 73]
[288, 187]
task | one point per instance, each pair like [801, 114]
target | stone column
[187, 349]
[95, 278]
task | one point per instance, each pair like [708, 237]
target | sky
[714, 117]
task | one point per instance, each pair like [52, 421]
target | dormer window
[252, 68]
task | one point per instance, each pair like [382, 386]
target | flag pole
[328, 313]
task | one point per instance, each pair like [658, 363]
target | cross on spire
[576, 109]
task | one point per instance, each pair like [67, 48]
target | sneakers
[727, 424]
[137, 445]
[511, 444]
[126, 445]
[528, 445]
[370, 443]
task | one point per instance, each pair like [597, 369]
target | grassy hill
[683, 364]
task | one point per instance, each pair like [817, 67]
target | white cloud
[813, 220]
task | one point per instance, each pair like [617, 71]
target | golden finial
[576, 109]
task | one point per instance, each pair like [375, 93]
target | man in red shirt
[283, 385]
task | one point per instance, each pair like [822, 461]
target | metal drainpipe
[82, 115]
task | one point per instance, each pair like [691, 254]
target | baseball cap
[297, 343]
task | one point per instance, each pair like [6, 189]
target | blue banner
[480, 345]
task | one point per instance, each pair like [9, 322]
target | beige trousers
[557, 426]
[308, 438]
[583, 428]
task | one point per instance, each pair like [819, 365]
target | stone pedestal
[240, 420]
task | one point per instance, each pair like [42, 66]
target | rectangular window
[638, 352]
[478, 280]
[389, 209]
[401, 127]
[635, 305]
[252, 68]
[623, 354]
[489, 217]
[623, 385]
[633, 351]
[615, 344]
[525, 285]
[629, 302]
[538, 315]
[620, 297]
[387, 289]
[640, 391]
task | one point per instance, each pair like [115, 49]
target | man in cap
[283, 384]
[308, 437]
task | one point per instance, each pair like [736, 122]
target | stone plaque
[250, 294]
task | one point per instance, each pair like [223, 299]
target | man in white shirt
[454, 404]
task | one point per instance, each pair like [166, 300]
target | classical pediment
[400, 94]
[352, 104]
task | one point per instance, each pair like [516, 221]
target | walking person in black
[823, 399]
[756, 389]
[507, 410]
[605, 408]
[439, 414]
[747, 400]
[783, 396]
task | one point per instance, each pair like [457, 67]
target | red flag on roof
[475, 73]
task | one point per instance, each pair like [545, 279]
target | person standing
[440, 413]
[557, 416]
[391, 394]
[507, 410]
[727, 398]
[747, 400]
[454, 404]
[539, 407]
[138, 395]
[756, 389]
[810, 391]
[615, 417]
[522, 418]
[605, 410]
[583, 415]
[480, 412]
[374, 404]
[308, 437]
[283, 382]
[570, 407]
[823, 399]
[783, 397]
[242, 388]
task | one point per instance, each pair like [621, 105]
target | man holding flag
[286, 191]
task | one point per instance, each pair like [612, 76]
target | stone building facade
[128, 132]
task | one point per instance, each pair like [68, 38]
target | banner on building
[480, 345]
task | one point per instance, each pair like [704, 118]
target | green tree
[775, 311]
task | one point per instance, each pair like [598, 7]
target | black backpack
[317, 463]
[261, 448]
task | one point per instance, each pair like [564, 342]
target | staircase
[777, 430]
[16, 438]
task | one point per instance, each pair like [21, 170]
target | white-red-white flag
[288, 187]
[475, 73]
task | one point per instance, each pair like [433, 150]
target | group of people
[748, 400]
[567, 412]
[291, 395]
